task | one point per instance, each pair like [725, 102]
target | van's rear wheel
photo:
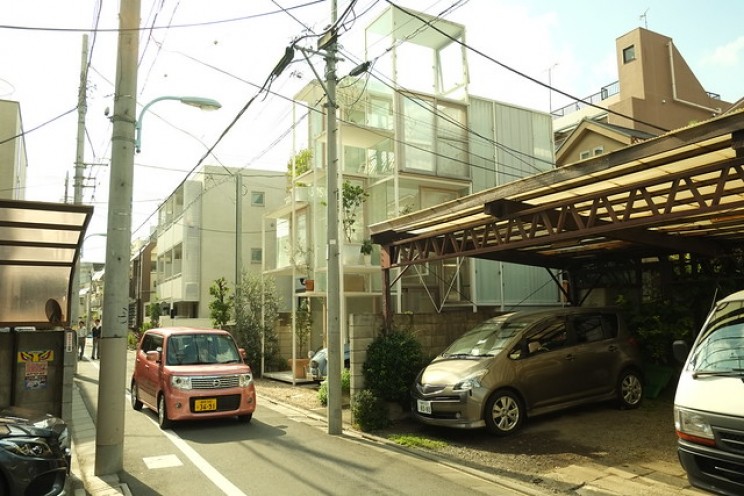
[629, 389]
[504, 413]
[163, 421]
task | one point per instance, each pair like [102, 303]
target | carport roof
[39, 246]
[682, 192]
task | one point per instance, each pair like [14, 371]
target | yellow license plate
[206, 405]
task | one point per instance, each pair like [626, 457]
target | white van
[709, 403]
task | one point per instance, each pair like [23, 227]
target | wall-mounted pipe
[716, 111]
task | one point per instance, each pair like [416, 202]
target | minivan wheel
[133, 396]
[629, 390]
[504, 413]
[163, 420]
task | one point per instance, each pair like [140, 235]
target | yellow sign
[36, 356]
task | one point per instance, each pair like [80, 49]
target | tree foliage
[220, 306]
[256, 306]
[393, 360]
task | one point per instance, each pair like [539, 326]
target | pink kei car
[189, 374]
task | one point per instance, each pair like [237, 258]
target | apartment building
[196, 240]
[656, 92]
[13, 160]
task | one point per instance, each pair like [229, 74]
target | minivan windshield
[193, 349]
[486, 339]
[720, 348]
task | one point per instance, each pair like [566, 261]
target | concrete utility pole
[335, 357]
[79, 174]
[113, 344]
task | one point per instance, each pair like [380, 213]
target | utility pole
[113, 344]
[79, 174]
[335, 358]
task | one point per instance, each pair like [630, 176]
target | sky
[226, 52]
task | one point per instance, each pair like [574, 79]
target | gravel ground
[600, 434]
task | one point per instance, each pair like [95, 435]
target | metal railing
[604, 93]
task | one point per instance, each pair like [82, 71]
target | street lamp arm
[194, 101]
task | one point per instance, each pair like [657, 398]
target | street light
[194, 101]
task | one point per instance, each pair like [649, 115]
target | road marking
[199, 462]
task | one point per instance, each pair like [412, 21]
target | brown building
[656, 92]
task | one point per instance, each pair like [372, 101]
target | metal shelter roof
[39, 246]
[682, 192]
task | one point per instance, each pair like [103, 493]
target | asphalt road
[280, 451]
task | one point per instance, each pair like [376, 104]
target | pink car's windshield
[193, 349]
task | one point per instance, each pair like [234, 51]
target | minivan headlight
[244, 380]
[471, 382]
[693, 426]
[181, 382]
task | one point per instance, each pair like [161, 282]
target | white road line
[203, 465]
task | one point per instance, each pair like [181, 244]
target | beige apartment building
[656, 92]
[196, 242]
[13, 160]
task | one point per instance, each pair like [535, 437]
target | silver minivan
[528, 363]
[709, 402]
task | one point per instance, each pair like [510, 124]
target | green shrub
[345, 387]
[369, 411]
[393, 361]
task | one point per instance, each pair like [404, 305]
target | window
[256, 255]
[598, 150]
[257, 198]
[588, 328]
[629, 54]
[585, 155]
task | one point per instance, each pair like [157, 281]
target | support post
[335, 357]
[113, 344]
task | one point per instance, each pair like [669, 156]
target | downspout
[716, 111]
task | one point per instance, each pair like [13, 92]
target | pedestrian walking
[96, 332]
[82, 334]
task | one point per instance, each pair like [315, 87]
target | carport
[679, 194]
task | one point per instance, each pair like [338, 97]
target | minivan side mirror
[243, 354]
[152, 356]
[680, 350]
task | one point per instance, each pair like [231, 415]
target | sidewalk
[84, 481]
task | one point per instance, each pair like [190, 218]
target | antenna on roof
[644, 17]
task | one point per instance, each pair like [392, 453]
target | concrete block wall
[434, 331]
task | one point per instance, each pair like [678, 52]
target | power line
[153, 28]
[521, 74]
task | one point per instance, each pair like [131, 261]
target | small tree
[153, 311]
[220, 306]
[352, 197]
[256, 312]
[393, 361]
[303, 324]
[298, 165]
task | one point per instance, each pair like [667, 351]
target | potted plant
[303, 328]
[353, 197]
[303, 257]
[366, 251]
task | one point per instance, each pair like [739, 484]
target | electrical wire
[523, 75]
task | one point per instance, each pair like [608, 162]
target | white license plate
[423, 406]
